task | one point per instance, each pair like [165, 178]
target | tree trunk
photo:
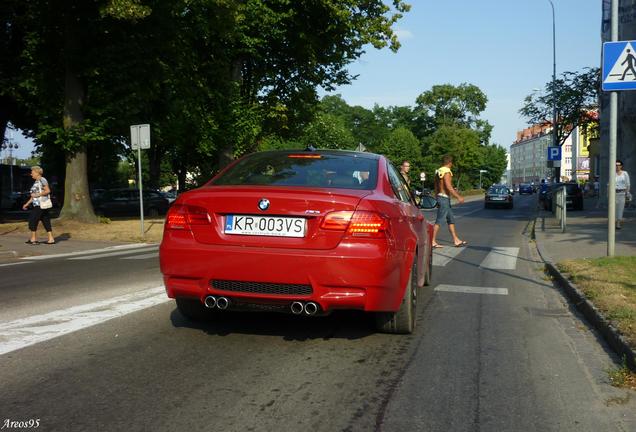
[77, 201]
[154, 171]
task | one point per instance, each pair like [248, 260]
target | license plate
[275, 226]
[497, 198]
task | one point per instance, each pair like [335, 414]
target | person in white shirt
[622, 191]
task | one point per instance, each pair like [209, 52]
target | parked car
[526, 189]
[299, 232]
[573, 196]
[125, 202]
[498, 196]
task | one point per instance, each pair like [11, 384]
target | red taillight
[182, 216]
[357, 224]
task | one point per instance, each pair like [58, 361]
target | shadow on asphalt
[338, 325]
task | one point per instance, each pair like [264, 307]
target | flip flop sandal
[462, 244]
[437, 246]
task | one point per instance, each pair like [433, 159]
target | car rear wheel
[402, 321]
[193, 309]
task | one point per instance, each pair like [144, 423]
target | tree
[401, 144]
[447, 104]
[328, 131]
[575, 95]
[495, 162]
[464, 145]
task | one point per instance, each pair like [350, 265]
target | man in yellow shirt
[443, 191]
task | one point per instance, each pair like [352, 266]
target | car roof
[365, 155]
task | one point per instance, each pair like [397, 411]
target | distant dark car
[526, 189]
[498, 196]
[573, 196]
[125, 202]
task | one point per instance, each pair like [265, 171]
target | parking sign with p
[554, 153]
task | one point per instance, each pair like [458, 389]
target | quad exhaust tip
[222, 303]
[210, 302]
[297, 308]
[311, 308]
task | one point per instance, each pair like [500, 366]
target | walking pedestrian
[444, 190]
[622, 192]
[40, 204]
[404, 170]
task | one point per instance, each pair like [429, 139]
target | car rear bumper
[355, 275]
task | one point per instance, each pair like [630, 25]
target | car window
[400, 188]
[340, 171]
[501, 190]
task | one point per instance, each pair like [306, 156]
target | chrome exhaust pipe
[222, 303]
[311, 308]
[297, 308]
[210, 302]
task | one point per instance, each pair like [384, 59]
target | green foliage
[447, 104]
[495, 162]
[464, 145]
[401, 144]
[575, 95]
[328, 131]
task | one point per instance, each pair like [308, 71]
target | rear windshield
[500, 190]
[340, 171]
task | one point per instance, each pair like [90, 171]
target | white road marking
[443, 256]
[471, 290]
[111, 254]
[13, 264]
[24, 332]
[501, 258]
[91, 251]
[145, 256]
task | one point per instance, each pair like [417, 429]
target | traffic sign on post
[140, 139]
[140, 136]
[619, 66]
[554, 153]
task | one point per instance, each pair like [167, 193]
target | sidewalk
[13, 247]
[585, 236]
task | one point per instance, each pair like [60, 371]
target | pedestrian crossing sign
[619, 66]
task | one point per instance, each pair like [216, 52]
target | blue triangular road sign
[619, 66]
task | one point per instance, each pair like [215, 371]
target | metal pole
[611, 195]
[141, 195]
[555, 139]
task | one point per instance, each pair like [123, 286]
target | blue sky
[502, 46]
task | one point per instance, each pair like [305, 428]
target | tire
[192, 309]
[402, 321]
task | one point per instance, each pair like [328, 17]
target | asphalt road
[496, 349]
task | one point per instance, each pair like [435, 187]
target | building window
[568, 148]
[568, 160]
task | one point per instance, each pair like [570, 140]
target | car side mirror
[427, 202]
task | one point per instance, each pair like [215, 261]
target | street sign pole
[611, 196]
[140, 139]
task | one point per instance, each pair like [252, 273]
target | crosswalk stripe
[110, 254]
[24, 332]
[135, 246]
[471, 289]
[443, 256]
[140, 257]
[501, 258]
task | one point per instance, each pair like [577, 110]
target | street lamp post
[480, 173]
[555, 139]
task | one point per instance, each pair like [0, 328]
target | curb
[611, 335]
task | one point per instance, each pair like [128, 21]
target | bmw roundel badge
[263, 204]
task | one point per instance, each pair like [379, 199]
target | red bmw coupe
[303, 232]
